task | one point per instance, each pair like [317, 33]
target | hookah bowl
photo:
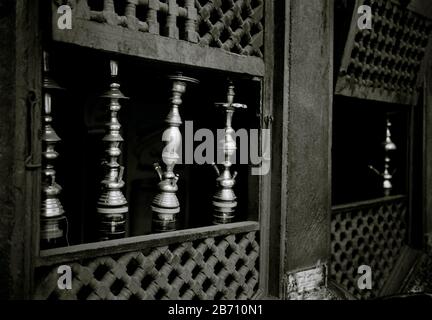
[165, 205]
[224, 200]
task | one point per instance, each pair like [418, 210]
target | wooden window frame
[36, 257]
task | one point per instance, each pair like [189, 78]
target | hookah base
[50, 229]
[112, 223]
[222, 219]
[160, 226]
[164, 219]
[51, 208]
[223, 212]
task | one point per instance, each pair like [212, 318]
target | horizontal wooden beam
[367, 203]
[97, 249]
[345, 88]
[117, 39]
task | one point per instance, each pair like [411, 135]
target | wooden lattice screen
[220, 267]
[234, 26]
[385, 62]
[370, 233]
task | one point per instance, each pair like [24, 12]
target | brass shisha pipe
[112, 205]
[165, 205]
[225, 200]
[389, 146]
[52, 211]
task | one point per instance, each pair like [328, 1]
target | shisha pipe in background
[389, 146]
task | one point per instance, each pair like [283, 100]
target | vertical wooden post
[191, 33]
[171, 29]
[130, 13]
[20, 149]
[152, 12]
[109, 12]
[428, 158]
[306, 151]
[269, 210]
[109, 5]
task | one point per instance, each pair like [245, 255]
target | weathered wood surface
[7, 149]
[269, 241]
[306, 183]
[19, 85]
[428, 154]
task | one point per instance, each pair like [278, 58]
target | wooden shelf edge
[97, 249]
[117, 39]
[366, 203]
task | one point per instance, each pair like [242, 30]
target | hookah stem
[229, 109]
[113, 151]
[112, 204]
[174, 121]
[228, 130]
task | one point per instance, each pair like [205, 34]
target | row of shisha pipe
[165, 205]
[112, 205]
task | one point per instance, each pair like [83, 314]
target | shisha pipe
[165, 205]
[52, 211]
[112, 205]
[225, 200]
[389, 146]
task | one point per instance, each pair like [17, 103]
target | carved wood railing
[218, 262]
[369, 233]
